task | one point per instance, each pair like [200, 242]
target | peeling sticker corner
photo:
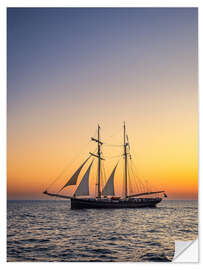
[186, 251]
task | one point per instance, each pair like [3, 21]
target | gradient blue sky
[48, 45]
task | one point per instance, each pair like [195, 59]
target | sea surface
[51, 231]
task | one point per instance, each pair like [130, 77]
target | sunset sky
[72, 68]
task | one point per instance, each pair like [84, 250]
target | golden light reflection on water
[51, 231]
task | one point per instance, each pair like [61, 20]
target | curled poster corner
[186, 251]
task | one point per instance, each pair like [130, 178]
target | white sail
[74, 178]
[83, 188]
[109, 187]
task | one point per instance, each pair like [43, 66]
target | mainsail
[83, 188]
[109, 187]
[74, 178]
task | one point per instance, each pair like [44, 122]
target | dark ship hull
[77, 203]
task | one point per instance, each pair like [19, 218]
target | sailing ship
[106, 197]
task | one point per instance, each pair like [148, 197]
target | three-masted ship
[106, 198]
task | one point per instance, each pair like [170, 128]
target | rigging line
[138, 181]
[104, 172]
[113, 157]
[112, 145]
[59, 176]
[115, 133]
[95, 151]
[145, 184]
[76, 157]
[131, 183]
[102, 176]
[135, 181]
[105, 178]
[134, 167]
[141, 186]
[111, 136]
[61, 173]
[137, 186]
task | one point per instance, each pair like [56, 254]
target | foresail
[109, 187]
[74, 178]
[83, 188]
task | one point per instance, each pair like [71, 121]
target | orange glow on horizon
[171, 170]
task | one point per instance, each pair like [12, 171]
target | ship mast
[125, 159]
[99, 143]
[99, 162]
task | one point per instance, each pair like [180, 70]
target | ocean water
[51, 231]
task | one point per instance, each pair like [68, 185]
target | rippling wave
[51, 231]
